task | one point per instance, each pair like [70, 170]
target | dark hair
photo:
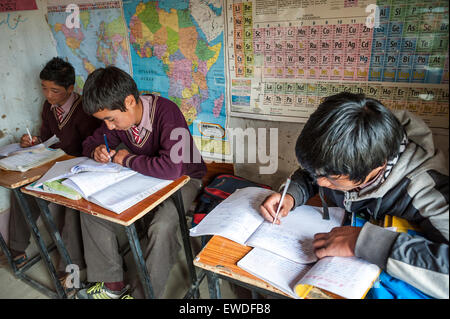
[350, 135]
[59, 71]
[107, 88]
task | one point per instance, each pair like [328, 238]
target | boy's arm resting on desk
[421, 262]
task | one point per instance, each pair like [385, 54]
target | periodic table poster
[284, 56]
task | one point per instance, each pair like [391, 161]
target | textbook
[238, 218]
[102, 184]
[348, 277]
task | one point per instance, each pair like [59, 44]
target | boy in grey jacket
[367, 160]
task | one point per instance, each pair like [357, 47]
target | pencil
[288, 181]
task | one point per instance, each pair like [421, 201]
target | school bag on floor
[220, 188]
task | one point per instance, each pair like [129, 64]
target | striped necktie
[135, 132]
[59, 113]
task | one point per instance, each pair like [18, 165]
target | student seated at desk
[144, 124]
[63, 116]
[367, 160]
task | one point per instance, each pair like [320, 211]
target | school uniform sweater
[166, 149]
[74, 128]
[416, 189]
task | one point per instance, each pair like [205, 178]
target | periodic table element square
[337, 72]
[258, 34]
[412, 11]
[291, 33]
[249, 71]
[300, 88]
[349, 73]
[420, 60]
[326, 31]
[269, 60]
[269, 32]
[408, 44]
[300, 100]
[374, 91]
[351, 45]
[238, 34]
[410, 27]
[289, 88]
[391, 59]
[268, 99]
[279, 88]
[277, 99]
[325, 44]
[302, 45]
[314, 32]
[269, 72]
[364, 45]
[258, 47]
[280, 32]
[377, 59]
[387, 92]
[389, 74]
[437, 61]
[340, 31]
[404, 74]
[289, 100]
[362, 73]
[338, 44]
[424, 43]
[291, 59]
[324, 72]
[238, 45]
[440, 43]
[427, 25]
[290, 45]
[393, 44]
[337, 58]
[398, 11]
[279, 71]
[405, 60]
[280, 45]
[313, 72]
[325, 59]
[384, 12]
[375, 74]
[363, 59]
[313, 60]
[418, 75]
[379, 44]
[353, 30]
[249, 59]
[279, 60]
[442, 24]
[302, 60]
[350, 59]
[290, 72]
[269, 47]
[395, 29]
[313, 45]
[302, 32]
[381, 31]
[400, 93]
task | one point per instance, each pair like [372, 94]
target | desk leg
[178, 200]
[39, 241]
[213, 285]
[53, 230]
[133, 239]
[7, 254]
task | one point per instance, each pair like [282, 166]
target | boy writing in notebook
[145, 125]
[63, 116]
[367, 160]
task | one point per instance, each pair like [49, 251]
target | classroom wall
[26, 45]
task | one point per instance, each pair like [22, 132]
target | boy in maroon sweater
[63, 116]
[150, 127]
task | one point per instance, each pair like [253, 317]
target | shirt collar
[68, 104]
[145, 121]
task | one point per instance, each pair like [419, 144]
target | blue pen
[107, 147]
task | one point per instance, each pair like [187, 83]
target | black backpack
[220, 188]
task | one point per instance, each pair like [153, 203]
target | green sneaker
[99, 291]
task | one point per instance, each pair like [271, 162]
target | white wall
[26, 45]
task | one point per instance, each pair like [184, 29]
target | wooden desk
[13, 180]
[220, 256]
[127, 219]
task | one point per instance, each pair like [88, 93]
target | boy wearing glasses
[367, 160]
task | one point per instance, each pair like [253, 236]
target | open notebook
[237, 218]
[348, 277]
[23, 159]
[108, 185]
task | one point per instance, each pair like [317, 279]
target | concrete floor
[177, 286]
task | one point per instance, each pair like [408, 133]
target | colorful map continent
[172, 37]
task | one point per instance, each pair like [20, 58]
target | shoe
[127, 296]
[99, 291]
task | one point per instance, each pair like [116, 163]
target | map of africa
[100, 39]
[177, 52]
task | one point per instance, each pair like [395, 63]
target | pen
[288, 181]
[29, 134]
[106, 144]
